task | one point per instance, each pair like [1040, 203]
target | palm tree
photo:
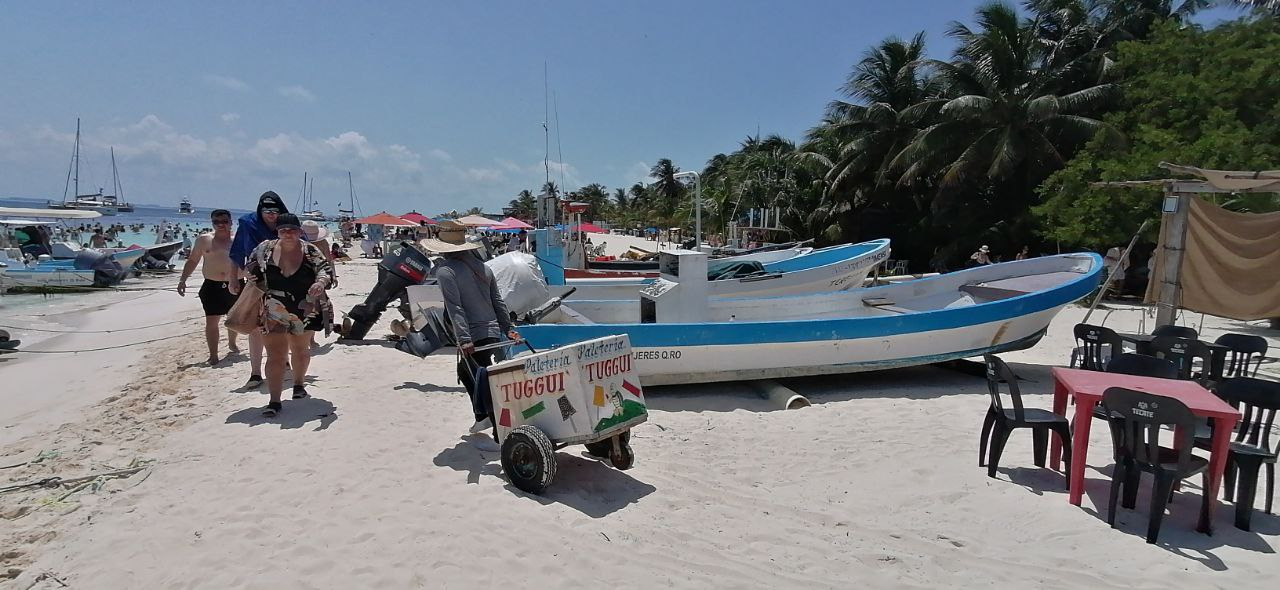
[667, 188]
[524, 206]
[999, 118]
[880, 120]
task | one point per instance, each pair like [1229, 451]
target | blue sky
[432, 105]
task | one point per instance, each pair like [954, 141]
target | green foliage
[1208, 99]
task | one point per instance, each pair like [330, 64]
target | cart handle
[504, 344]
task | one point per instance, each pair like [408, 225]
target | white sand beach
[373, 483]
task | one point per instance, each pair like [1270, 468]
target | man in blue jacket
[253, 229]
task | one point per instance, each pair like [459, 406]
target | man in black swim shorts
[215, 297]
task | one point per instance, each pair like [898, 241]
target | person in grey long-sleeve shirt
[479, 318]
[471, 299]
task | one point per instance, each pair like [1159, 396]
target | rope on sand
[100, 331]
[24, 351]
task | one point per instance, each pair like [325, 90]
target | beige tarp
[1260, 181]
[1231, 267]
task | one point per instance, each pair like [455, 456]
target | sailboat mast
[311, 196]
[75, 157]
[115, 177]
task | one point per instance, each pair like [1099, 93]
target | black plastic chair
[1142, 365]
[1184, 352]
[1139, 417]
[1137, 364]
[1090, 340]
[1257, 400]
[1001, 421]
[1176, 331]
[1242, 355]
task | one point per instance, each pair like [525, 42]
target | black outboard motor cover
[106, 270]
[402, 267]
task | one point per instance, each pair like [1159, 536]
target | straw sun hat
[314, 231]
[451, 236]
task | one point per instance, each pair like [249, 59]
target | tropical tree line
[998, 145]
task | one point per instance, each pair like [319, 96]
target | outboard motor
[106, 270]
[401, 268]
[437, 334]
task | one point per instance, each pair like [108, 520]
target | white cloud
[296, 92]
[226, 82]
[158, 160]
[230, 117]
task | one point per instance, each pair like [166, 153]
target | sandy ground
[373, 483]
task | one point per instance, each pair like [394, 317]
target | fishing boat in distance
[680, 335]
[184, 207]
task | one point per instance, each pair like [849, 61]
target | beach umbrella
[587, 227]
[416, 217]
[384, 218]
[476, 221]
[513, 223]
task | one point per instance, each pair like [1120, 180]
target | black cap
[288, 220]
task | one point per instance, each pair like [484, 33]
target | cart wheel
[528, 459]
[624, 458]
[603, 448]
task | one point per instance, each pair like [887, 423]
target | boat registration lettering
[656, 355]
[537, 386]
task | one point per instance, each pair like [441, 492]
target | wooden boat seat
[885, 304]
[991, 293]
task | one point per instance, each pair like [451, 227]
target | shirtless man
[214, 295]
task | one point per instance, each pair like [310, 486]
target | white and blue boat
[834, 268]
[680, 335]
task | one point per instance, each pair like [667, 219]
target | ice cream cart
[585, 393]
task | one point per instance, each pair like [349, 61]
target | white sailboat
[102, 203]
[309, 207]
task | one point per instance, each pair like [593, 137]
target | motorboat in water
[89, 269]
[680, 335]
[184, 207]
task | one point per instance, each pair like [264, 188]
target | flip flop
[272, 409]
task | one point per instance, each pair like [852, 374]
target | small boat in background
[184, 207]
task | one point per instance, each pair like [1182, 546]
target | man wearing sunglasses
[216, 294]
[253, 229]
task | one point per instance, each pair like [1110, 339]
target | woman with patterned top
[294, 275]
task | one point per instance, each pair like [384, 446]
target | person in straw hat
[980, 258]
[473, 303]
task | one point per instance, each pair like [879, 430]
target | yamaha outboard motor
[401, 268]
[106, 270]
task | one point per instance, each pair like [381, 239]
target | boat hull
[736, 350]
[836, 268]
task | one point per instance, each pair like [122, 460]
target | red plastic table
[1087, 387]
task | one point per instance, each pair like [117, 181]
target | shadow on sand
[1178, 533]
[296, 414]
[430, 387]
[922, 382]
[586, 485]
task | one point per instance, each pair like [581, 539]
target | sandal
[300, 392]
[272, 409]
[254, 382]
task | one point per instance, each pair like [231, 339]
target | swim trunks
[215, 298]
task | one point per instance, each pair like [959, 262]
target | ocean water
[148, 216]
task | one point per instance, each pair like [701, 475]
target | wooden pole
[1174, 247]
